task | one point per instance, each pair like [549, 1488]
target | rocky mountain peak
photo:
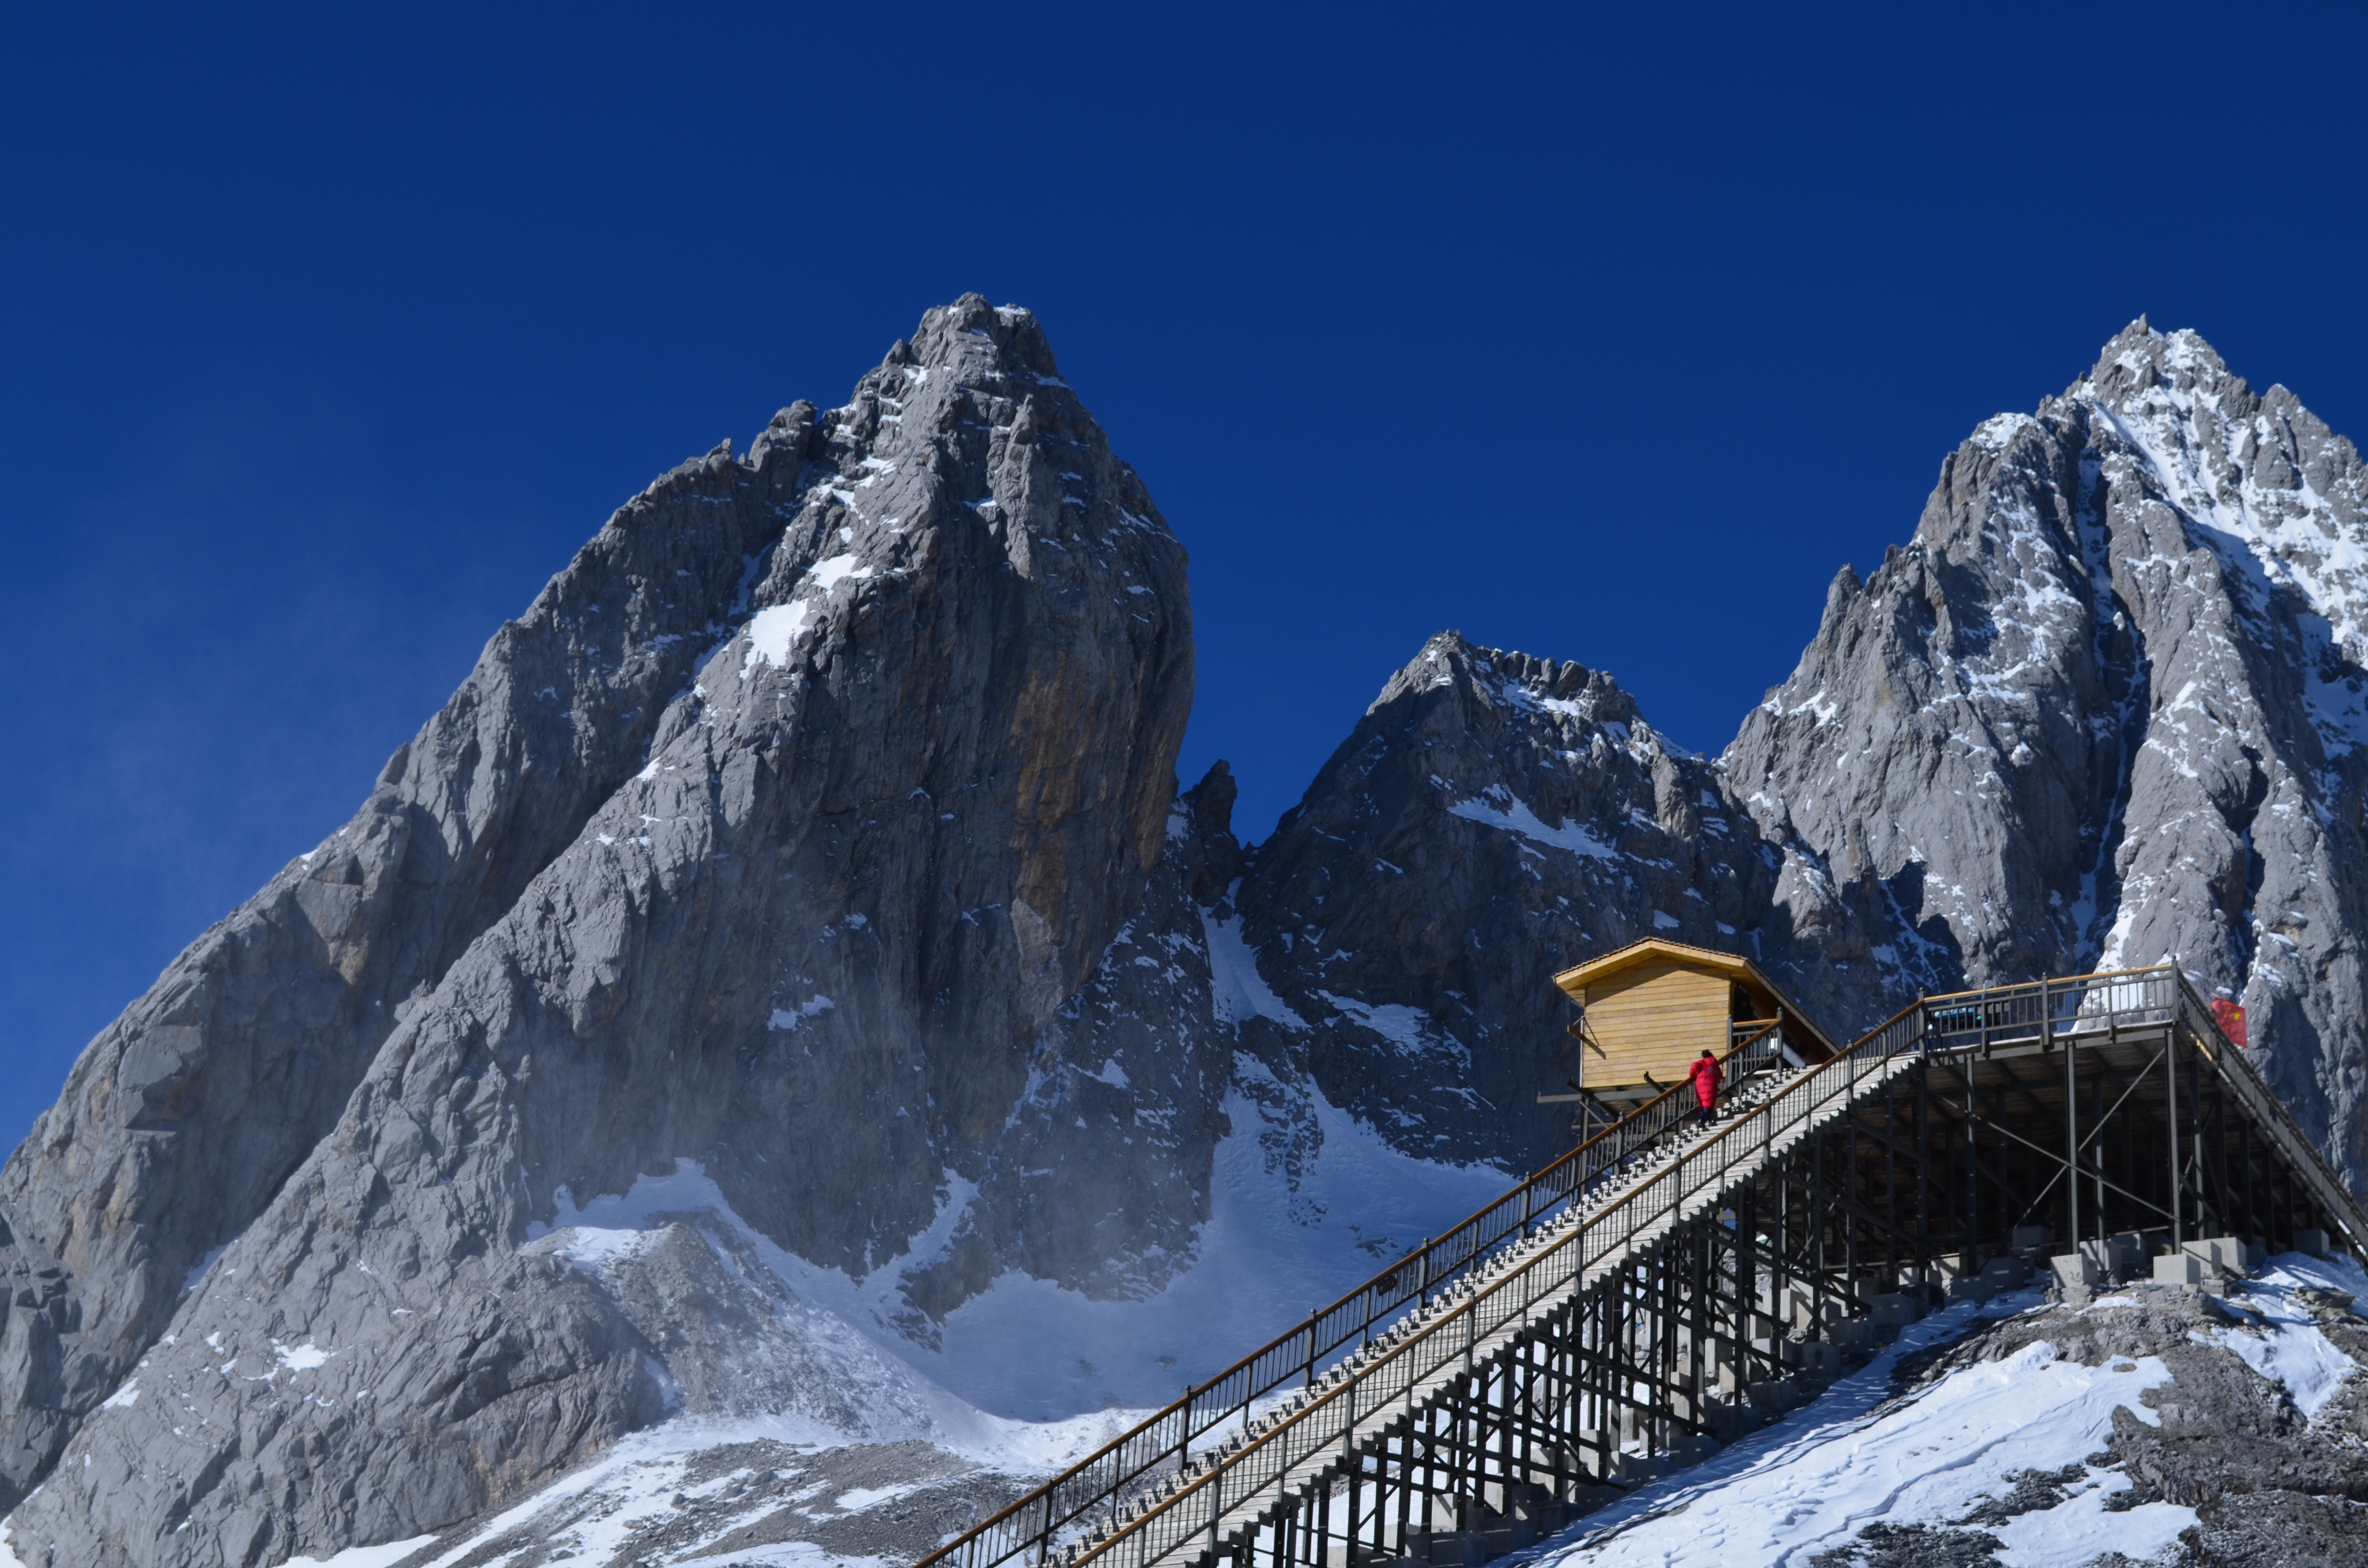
[769, 845]
[2139, 605]
[785, 981]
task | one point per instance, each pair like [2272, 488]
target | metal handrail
[2236, 1068]
[1089, 1503]
[1392, 1369]
[1165, 1439]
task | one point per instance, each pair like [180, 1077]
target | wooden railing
[1260, 1464]
[2042, 1011]
[2235, 1067]
[1092, 1490]
[1157, 1488]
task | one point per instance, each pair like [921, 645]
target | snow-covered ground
[1030, 1350]
[1856, 1457]
[651, 1478]
[759, 1491]
[2287, 1347]
[1860, 1456]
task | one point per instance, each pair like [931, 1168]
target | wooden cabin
[1649, 1010]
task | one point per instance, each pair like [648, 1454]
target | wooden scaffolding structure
[1667, 1287]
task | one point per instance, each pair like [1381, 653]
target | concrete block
[2117, 1257]
[1729, 1423]
[1896, 1310]
[2031, 1238]
[2002, 1274]
[1457, 1549]
[1538, 1504]
[2311, 1241]
[1635, 1467]
[1582, 1498]
[2226, 1254]
[2179, 1268]
[2078, 1270]
[2127, 1255]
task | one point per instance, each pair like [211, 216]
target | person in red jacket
[1705, 1076]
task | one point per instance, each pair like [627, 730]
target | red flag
[2230, 1018]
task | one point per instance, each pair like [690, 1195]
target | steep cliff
[815, 915]
[784, 984]
[188, 1113]
[1492, 819]
[2105, 709]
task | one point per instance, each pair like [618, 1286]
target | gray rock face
[185, 1117]
[802, 884]
[2105, 709]
[821, 923]
[1495, 818]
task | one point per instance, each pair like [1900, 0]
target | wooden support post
[1971, 1259]
[1891, 1184]
[2071, 1147]
[1851, 1184]
[2178, 1201]
[1924, 1172]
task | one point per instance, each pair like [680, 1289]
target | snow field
[1855, 1457]
[1026, 1351]
[1858, 1457]
[2287, 1347]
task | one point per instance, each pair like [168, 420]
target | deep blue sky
[325, 338]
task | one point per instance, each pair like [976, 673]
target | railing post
[1216, 1507]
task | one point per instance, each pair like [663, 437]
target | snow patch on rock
[1859, 1457]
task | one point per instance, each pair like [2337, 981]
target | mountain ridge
[795, 914]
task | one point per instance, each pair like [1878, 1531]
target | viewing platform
[1668, 1285]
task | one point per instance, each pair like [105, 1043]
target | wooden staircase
[1665, 1285]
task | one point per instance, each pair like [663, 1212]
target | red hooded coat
[1705, 1075]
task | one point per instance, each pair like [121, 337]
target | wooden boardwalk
[1667, 1287]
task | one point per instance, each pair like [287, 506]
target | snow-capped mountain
[780, 1029]
[2105, 707]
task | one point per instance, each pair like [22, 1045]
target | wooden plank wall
[1656, 1018]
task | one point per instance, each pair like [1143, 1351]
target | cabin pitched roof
[1574, 981]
